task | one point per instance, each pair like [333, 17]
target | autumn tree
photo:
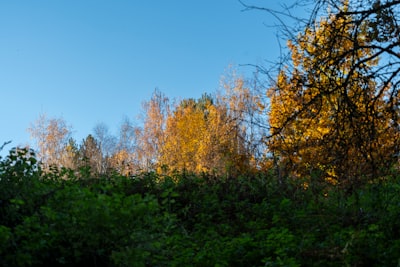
[151, 135]
[51, 136]
[334, 109]
[201, 136]
[244, 104]
[184, 133]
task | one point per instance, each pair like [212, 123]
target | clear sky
[91, 61]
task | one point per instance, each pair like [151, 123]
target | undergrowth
[62, 219]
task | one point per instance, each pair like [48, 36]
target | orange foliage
[328, 114]
[201, 137]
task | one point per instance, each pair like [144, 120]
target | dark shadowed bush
[59, 219]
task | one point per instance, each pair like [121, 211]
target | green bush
[59, 218]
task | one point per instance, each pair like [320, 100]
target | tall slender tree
[91, 155]
[107, 144]
[151, 136]
[124, 157]
[70, 157]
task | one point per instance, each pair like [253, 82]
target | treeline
[211, 134]
[330, 110]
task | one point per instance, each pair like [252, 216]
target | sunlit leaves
[51, 136]
[329, 114]
[205, 135]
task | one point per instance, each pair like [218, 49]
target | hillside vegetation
[301, 169]
[56, 219]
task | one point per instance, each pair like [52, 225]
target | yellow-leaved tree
[329, 113]
[51, 136]
[201, 136]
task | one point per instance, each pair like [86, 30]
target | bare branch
[4, 144]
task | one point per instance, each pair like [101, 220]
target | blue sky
[96, 61]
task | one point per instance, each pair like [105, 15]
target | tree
[242, 100]
[51, 137]
[107, 144]
[184, 134]
[124, 159]
[91, 155]
[334, 110]
[201, 136]
[70, 156]
[151, 136]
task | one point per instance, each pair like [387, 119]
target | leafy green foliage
[191, 220]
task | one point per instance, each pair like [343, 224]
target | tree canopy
[334, 108]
